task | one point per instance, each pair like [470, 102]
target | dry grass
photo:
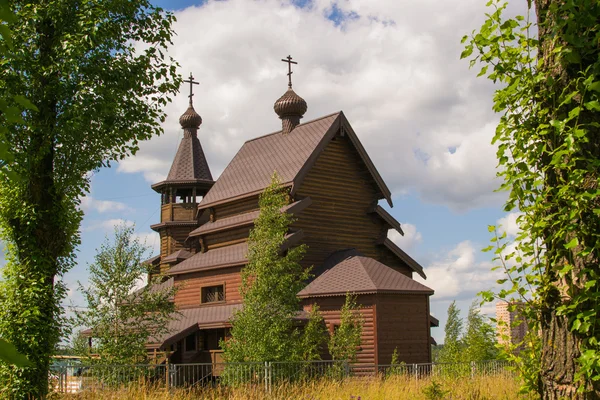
[497, 387]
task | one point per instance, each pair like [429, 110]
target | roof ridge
[304, 123]
[367, 270]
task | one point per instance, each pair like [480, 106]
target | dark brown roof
[358, 274]
[245, 219]
[387, 217]
[291, 156]
[159, 226]
[189, 166]
[189, 320]
[223, 257]
[408, 260]
[178, 256]
[433, 321]
[152, 261]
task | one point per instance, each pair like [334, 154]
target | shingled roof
[189, 166]
[190, 320]
[223, 257]
[291, 155]
[359, 274]
[245, 219]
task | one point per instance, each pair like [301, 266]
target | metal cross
[192, 83]
[288, 60]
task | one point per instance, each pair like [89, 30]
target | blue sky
[392, 66]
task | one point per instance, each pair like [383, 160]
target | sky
[392, 66]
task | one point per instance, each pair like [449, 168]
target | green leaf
[25, 103]
[10, 355]
[574, 242]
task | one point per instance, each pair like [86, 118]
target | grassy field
[481, 388]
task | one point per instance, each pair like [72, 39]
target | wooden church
[334, 189]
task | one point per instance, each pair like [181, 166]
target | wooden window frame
[202, 288]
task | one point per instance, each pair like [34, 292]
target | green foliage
[480, 337]
[345, 340]
[475, 342]
[435, 391]
[264, 329]
[453, 347]
[122, 320]
[10, 355]
[549, 157]
[86, 82]
[314, 336]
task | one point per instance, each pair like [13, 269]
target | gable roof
[291, 156]
[359, 274]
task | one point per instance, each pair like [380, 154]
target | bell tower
[188, 181]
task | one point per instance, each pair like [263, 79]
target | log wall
[403, 323]
[236, 207]
[189, 286]
[342, 193]
[330, 308]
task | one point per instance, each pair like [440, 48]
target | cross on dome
[288, 60]
[191, 81]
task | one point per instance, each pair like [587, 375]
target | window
[212, 294]
[190, 342]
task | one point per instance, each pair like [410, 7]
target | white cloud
[411, 237]
[424, 118]
[509, 224]
[458, 275]
[89, 203]
[151, 240]
[107, 225]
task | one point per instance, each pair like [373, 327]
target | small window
[212, 294]
[190, 342]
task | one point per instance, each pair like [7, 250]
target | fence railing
[262, 376]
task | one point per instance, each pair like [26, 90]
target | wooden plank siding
[403, 324]
[330, 308]
[172, 239]
[342, 193]
[189, 286]
[225, 238]
[387, 257]
[236, 207]
[178, 212]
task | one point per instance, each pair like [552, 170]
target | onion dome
[290, 105]
[190, 119]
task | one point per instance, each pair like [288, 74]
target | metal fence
[262, 376]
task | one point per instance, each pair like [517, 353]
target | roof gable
[291, 156]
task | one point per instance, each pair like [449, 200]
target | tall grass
[395, 387]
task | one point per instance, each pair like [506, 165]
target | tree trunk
[560, 346]
[560, 349]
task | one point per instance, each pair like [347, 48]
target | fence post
[472, 369]
[266, 376]
[270, 376]
[167, 374]
[346, 369]
[416, 372]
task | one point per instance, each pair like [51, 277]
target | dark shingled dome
[190, 119]
[290, 104]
